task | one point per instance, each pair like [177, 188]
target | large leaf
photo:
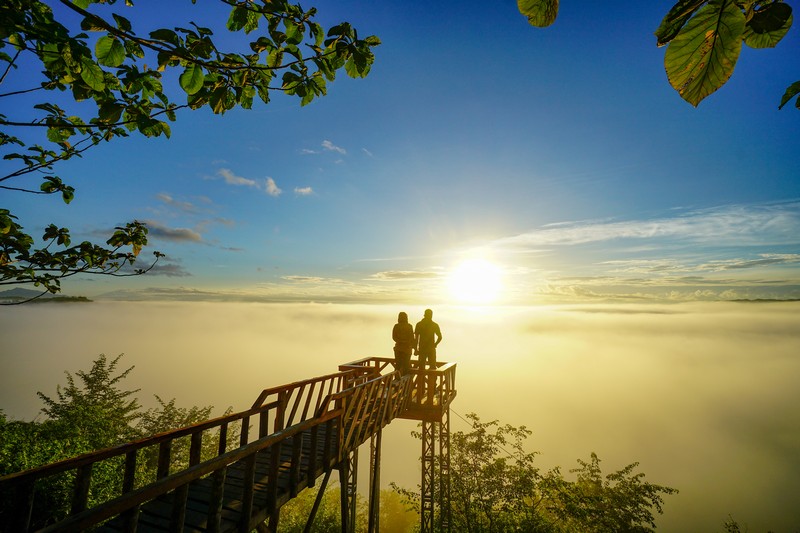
[675, 19]
[92, 74]
[768, 25]
[540, 13]
[109, 51]
[192, 78]
[243, 18]
[701, 58]
[791, 91]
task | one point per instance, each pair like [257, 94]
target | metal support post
[444, 472]
[348, 476]
[375, 481]
[427, 488]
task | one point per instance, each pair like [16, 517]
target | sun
[475, 281]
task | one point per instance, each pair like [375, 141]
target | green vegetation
[496, 486]
[91, 412]
[106, 86]
[704, 39]
[394, 517]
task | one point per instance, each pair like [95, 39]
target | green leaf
[768, 26]
[134, 49]
[294, 32]
[253, 18]
[92, 23]
[701, 58]
[675, 19]
[540, 13]
[237, 19]
[165, 35]
[192, 78]
[261, 44]
[771, 17]
[59, 134]
[110, 112]
[122, 23]
[109, 51]
[791, 91]
[67, 194]
[92, 74]
[220, 100]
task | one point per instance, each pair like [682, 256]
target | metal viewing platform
[235, 472]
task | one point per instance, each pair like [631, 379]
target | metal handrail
[358, 400]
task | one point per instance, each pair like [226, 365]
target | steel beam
[348, 477]
[427, 486]
[374, 482]
[444, 472]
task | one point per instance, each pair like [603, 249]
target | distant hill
[19, 294]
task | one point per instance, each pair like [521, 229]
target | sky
[559, 157]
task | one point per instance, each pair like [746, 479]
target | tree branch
[10, 64]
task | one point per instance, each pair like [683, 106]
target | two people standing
[422, 339]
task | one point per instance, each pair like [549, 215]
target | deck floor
[155, 516]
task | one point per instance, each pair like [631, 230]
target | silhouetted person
[403, 336]
[427, 337]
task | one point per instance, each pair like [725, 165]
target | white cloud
[303, 279]
[728, 225]
[271, 188]
[367, 152]
[740, 264]
[303, 191]
[402, 275]
[232, 179]
[328, 145]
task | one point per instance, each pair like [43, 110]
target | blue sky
[560, 155]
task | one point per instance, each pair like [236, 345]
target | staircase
[235, 472]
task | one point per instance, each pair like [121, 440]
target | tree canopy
[495, 486]
[93, 411]
[704, 39]
[101, 79]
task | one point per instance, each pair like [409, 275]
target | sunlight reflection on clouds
[704, 396]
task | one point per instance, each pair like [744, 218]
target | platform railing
[353, 404]
[432, 386]
[300, 404]
[370, 406]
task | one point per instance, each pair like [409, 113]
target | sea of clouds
[703, 396]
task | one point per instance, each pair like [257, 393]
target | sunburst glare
[476, 281]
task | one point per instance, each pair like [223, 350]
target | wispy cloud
[329, 146]
[170, 270]
[303, 191]
[232, 179]
[304, 279]
[268, 185]
[644, 266]
[403, 275]
[180, 205]
[367, 152]
[735, 225]
[160, 231]
[741, 264]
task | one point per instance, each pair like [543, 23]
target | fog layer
[703, 396]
